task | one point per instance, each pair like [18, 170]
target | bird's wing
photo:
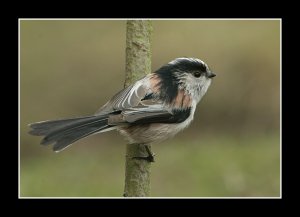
[133, 95]
[139, 103]
[155, 114]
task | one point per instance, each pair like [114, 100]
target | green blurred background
[232, 149]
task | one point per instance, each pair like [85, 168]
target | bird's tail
[65, 132]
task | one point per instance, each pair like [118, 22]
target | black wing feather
[159, 116]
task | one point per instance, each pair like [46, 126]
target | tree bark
[138, 64]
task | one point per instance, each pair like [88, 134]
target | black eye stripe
[202, 68]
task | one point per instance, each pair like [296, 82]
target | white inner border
[88, 19]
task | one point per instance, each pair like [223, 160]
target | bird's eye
[197, 74]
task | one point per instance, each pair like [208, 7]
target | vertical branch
[138, 64]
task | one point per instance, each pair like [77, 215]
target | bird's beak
[210, 74]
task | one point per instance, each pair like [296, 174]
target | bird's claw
[149, 158]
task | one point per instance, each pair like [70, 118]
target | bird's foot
[149, 158]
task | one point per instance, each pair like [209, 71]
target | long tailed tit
[152, 109]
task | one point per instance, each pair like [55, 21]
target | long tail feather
[65, 132]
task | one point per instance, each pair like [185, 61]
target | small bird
[153, 109]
